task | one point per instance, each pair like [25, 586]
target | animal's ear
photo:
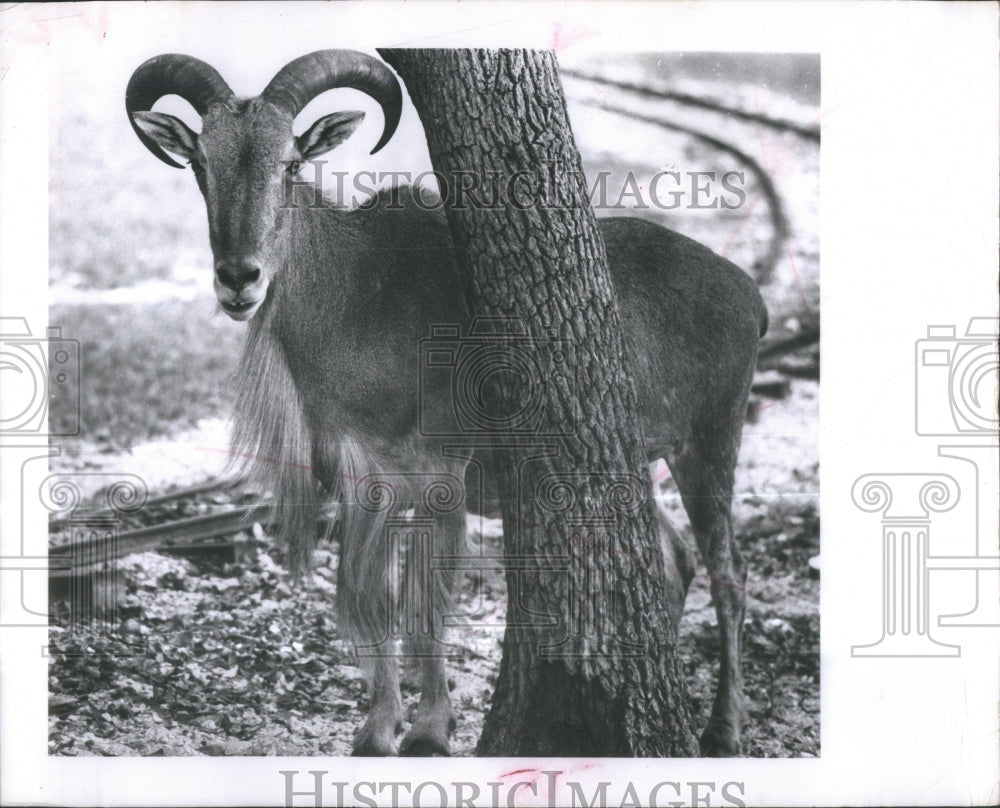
[328, 132]
[168, 132]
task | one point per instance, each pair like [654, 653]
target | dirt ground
[216, 655]
[233, 657]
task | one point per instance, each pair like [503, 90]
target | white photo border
[909, 240]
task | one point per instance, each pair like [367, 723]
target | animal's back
[692, 321]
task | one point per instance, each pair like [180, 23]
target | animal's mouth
[240, 311]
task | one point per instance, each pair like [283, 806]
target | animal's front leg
[377, 738]
[365, 600]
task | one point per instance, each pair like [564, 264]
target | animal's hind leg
[705, 479]
[428, 594]
[435, 720]
[679, 559]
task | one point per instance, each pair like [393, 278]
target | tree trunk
[589, 661]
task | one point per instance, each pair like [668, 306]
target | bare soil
[209, 656]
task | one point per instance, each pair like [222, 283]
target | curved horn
[195, 81]
[301, 80]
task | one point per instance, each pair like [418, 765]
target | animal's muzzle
[240, 285]
[238, 273]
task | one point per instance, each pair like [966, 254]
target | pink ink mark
[564, 35]
[771, 404]
[535, 772]
[662, 475]
[798, 280]
[739, 227]
[552, 775]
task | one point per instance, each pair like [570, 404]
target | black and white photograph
[359, 368]
[452, 390]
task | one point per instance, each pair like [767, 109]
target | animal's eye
[293, 167]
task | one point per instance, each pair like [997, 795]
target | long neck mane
[327, 374]
[270, 428]
[270, 441]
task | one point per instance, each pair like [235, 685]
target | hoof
[375, 741]
[428, 740]
[720, 739]
[424, 746]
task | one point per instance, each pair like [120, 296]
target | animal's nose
[236, 273]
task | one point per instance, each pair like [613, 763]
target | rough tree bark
[589, 664]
